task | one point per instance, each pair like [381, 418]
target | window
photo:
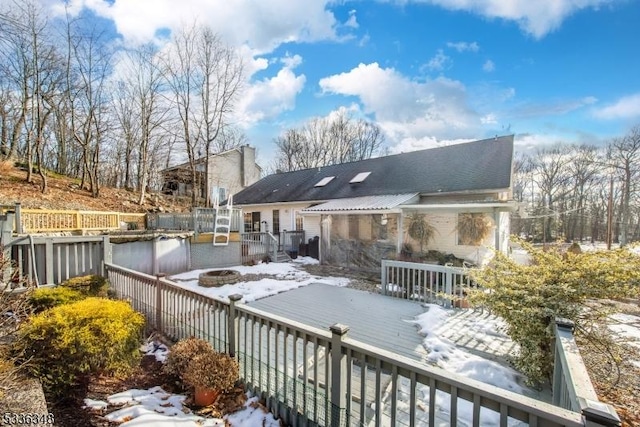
[324, 181]
[360, 177]
[251, 221]
[247, 222]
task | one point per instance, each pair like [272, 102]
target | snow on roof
[363, 203]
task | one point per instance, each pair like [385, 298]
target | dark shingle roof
[472, 166]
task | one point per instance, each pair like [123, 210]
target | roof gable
[473, 166]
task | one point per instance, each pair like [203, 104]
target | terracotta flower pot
[205, 396]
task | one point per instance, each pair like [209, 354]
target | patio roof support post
[232, 326]
[496, 221]
[159, 287]
[338, 374]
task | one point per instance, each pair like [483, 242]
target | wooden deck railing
[436, 284]
[47, 220]
[310, 376]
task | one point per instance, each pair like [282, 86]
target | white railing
[310, 376]
[256, 246]
[436, 284]
[199, 220]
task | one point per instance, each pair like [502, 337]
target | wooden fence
[310, 376]
[52, 260]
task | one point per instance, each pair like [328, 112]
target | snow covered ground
[287, 277]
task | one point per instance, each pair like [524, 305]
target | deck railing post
[383, 277]
[338, 374]
[107, 255]
[448, 287]
[18, 218]
[598, 414]
[159, 287]
[231, 324]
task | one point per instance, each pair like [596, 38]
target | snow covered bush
[94, 335]
[555, 285]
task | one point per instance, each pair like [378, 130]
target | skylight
[360, 177]
[324, 181]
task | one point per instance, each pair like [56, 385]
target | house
[229, 172]
[454, 199]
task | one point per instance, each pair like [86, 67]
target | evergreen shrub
[91, 285]
[45, 298]
[67, 342]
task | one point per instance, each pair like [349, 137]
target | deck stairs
[222, 224]
[282, 256]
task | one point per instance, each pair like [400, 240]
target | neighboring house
[368, 210]
[229, 172]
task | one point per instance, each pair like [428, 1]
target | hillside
[65, 193]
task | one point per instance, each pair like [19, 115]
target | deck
[373, 319]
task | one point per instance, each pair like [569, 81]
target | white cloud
[464, 46]
[406, 109]
[261, 25]
[627, 107]
[291, 61]
[556, 108]
[352, 22]
[488, 66]
[439, 62]
[535, 17]
[267, 98]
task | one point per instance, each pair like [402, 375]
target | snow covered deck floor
[373, 319]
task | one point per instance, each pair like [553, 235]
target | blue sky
[429, 72]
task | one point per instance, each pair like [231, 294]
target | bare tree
[88, 67]
[325, 141]
[624, 155]
[221, 74]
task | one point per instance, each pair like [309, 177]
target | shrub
[43, 298]
[530, 297]
[182, 353]
[94, 335]
[91, 285]
[212, 370]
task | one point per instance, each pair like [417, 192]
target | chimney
[248, 155]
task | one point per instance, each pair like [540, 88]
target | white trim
[507, 206]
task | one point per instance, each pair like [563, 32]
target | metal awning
[381, 204]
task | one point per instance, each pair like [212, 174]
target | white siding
[446, 239]
[311, 226]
